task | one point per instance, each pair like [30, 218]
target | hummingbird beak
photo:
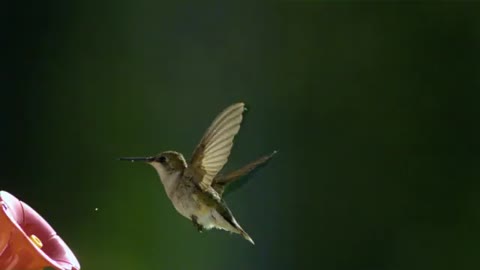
[137, 159]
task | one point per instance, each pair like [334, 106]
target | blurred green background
[373, 107]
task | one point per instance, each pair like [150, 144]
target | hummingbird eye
[162, 159]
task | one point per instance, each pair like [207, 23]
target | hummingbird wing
[212, 152]
[221, 181]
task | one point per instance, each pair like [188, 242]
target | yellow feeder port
[36, 241]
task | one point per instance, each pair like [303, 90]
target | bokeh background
[374, 109]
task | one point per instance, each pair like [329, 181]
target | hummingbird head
[166, 164]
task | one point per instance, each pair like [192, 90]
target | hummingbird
[196, 187]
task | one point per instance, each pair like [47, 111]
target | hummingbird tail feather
[246, 236]
[230, 224]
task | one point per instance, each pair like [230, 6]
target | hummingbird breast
[190, 201]
[185, 198]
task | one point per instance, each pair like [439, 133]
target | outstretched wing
[221, 181]
[212, 152]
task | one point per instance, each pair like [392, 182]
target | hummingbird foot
[196, 224]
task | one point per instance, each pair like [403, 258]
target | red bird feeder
[28, 242]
